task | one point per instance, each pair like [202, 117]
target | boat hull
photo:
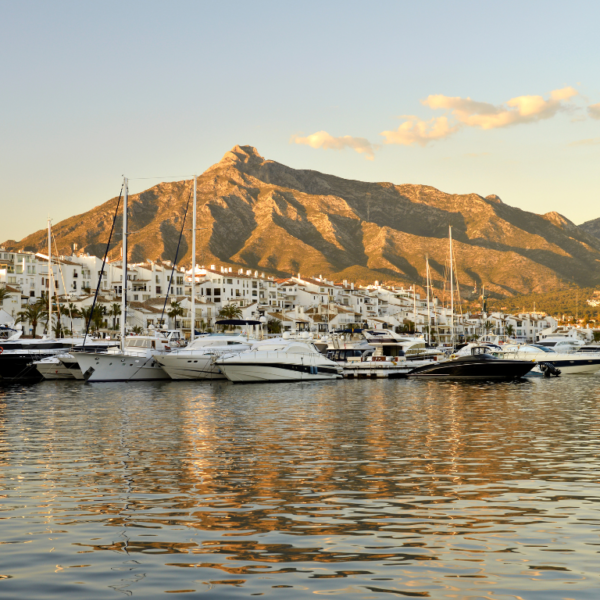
[575, 367]
[481, 370]
[119, 367]
[189, 367]
[20, 367]
[257, 373]
[54, 370]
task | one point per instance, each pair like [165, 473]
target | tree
[74, 313]
[488, 325]
[137, 330]
[175, 311]
[596, 335]
[4, 295]
[274, 326]
[57, 329]
[32, 314]
[114, 312]
[230, 311]
[93, 319]
[510, 330]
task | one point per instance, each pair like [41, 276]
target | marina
[411, 488]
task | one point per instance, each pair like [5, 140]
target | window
[230, 281]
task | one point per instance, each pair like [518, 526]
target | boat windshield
[540, 347]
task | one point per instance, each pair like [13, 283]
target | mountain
[259, 214]
[592, 227]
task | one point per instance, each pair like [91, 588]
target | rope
[102, 269]
[176, 255]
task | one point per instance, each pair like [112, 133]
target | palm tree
[114, 312]
[4, 295]
[510, 330]
[230, 311]
[488, 325]
[175, 311]
[274, 326]
[32, 314]
[74, 313]
[57, 328]
[93, 320]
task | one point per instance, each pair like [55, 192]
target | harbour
[355, 488]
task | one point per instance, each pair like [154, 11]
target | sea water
[356, 489]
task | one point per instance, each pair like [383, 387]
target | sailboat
[134, 360]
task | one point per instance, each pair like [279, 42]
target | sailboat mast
[451, 290]
[50, 277]
[193, 326]
[124, 264]
[428, 305]
[415, 307]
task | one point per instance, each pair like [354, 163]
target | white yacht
[65, 365]
[278, 360]
[569, 363]
[135, 363]
[196, 361]
[51, 368]
[384, 354]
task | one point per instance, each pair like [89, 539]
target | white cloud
[522, 109]
[416, 131]
[594, 111]
[324, 140]
[588, 142]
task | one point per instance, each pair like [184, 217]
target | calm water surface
[359, 489]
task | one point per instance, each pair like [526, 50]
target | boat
[135, 362]
[196, 361]
[279, 360]
[51, 368]
[475, 362]
[19, 358]
[383, 354]
[8, 333]
[65, 365]
[569, 363]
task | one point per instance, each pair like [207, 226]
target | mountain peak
[559, 220]
[242, 154]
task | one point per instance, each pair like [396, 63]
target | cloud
[324, 140]
[416, 131]
[588, 142]
[522, 109]
[594, 111]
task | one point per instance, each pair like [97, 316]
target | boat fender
[1, 349]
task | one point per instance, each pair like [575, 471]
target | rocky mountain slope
[263, 215]
[592, 227]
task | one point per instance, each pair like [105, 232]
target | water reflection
[415, 488]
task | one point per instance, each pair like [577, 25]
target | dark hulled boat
[17, 358]
[474, 362]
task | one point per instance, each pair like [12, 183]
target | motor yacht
[384, 354]
[475, 362]
[65, 366]
[569, 363]
[563, 346]
[196, 361]
[278, 360]
[18, 357]
[135, 363]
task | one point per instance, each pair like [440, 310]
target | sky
[491, 98]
